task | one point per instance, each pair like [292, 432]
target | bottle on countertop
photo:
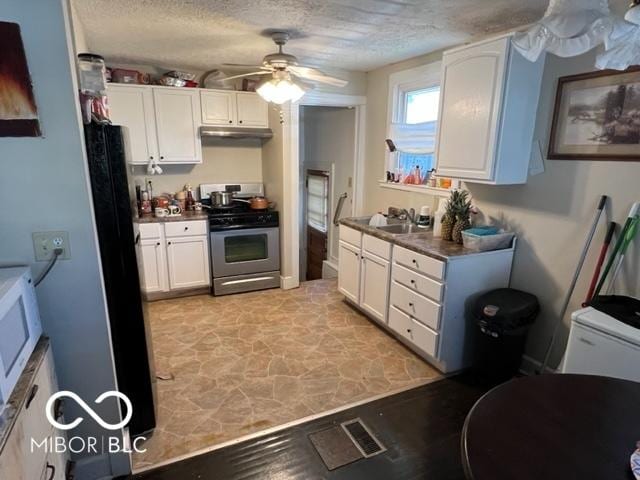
[424, 219]
[189, 202]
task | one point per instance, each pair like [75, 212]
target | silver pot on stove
[221, 199]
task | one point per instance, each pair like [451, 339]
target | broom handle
[567, 298]
[601, 258]
[631, 232]
[632, 214]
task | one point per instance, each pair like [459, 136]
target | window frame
[401, 83]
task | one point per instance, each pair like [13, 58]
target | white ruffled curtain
[417, 139]
[573, 27]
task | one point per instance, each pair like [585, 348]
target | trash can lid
[507, 307]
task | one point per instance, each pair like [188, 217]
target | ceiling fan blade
[241, 65]
[316, 76]
[262, 72]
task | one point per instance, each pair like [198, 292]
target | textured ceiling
[347, 34]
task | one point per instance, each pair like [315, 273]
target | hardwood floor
[420, 428]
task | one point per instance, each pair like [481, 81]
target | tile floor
[244, 363]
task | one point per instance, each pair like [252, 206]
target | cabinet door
[374, 280]
[218, 108]
[252, 110]
[154, 266]
[470, 110]
[349, 271]
[177, 120]
[132, 107]
[188, 260]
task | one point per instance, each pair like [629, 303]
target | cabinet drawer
[149, 230]
[423, 264]
[415, 305]
[417, 282]
[349, 235]
[376, 246]
[422, 337]
[185, 229]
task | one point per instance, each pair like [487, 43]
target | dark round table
[553, 427]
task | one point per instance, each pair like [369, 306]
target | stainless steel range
[245, 243]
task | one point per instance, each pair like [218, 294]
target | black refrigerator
[111, 188]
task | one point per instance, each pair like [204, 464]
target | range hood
[235, 132]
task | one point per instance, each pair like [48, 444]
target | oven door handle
[248, 280]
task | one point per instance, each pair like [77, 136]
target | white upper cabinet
[218, 107]
[488, 103]
[177, 122]
[161, 123]
[230, 108]
[252, 110]
[132, 107]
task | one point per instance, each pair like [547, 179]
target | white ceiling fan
[280, 87]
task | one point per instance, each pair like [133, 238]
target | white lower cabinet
[153, 271]
[375, 285]
[188, 260]
[173, 256]
[17, 459]
[420, 299]
[349, 271]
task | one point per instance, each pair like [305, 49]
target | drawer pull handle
[53, 471]
[168, 243]
[32, 395]
[186, 228]
[158, 244]
[588, 342]
[408, 330]
[411, 304]
[414, 261]
[413, 282]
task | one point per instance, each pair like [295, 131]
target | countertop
[424, 243]
[185, 216]
[21, 391]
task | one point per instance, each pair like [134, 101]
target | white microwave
[20, 326]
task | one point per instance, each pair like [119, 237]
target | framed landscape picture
[18, 113]
[597, 116]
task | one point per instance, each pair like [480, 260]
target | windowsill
[435, 191]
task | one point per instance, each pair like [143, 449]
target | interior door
[317, 221]
[132, 108]
[177, 119]
[252, 110]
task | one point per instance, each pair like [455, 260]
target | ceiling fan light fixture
[280, 89]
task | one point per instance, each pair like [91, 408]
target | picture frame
[18, 110]
[597, 117]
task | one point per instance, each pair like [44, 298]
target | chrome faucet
[409, 214]
[402, 214]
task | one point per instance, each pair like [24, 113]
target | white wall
[224, 161]
[43, 186]
[551, 213]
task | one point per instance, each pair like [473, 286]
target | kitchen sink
[402, 228]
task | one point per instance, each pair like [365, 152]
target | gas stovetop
[239, 216]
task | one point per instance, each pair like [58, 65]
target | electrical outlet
[44, 243]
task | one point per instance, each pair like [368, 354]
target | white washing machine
[601, 345]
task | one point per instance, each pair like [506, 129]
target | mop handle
[632, 214]
[574, 280]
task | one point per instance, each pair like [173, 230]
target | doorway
[327, 168]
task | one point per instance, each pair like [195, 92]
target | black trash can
[503, 318]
